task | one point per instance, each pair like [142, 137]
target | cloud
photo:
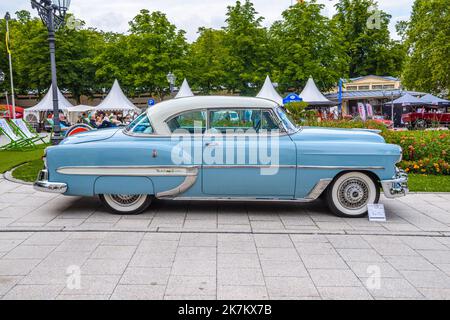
[189, 15]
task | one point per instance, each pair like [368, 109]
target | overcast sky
[113, 15]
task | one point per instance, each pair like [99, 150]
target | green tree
[305, 43]
[206, 60]
[427, 66]
[249, 59]
[367, 38]
[155, 48]
[75, 51]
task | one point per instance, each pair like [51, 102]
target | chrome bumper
[42, 184]
[397, 187]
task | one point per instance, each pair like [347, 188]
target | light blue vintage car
[224, 148]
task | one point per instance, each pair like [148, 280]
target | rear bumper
[42, 184]
[397, 187]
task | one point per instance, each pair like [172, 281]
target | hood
[90, 136]
[337, 134]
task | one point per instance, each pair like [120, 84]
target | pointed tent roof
[46, 104]
[436, 101]
[407, 100]
[269, 92]
[116, 101]
[313, 96]
[185, 90]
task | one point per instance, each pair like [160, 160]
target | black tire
[366, 189]
[126, 205]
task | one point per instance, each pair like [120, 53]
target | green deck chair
[26, 131]
[16, 142]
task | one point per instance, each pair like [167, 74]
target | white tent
[75, 111]
[269, 92]
[46, 105]
[313, 96]
[185, 90]
[116, 101]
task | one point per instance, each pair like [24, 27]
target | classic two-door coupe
[230, 148]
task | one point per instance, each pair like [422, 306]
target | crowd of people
[96, 119]
[101, 119]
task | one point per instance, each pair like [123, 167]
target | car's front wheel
[126, 204]
[350, 193]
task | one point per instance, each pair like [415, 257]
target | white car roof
[159, 113]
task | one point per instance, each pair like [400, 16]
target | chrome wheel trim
[125, 203]
[353, 193]
[349, 183]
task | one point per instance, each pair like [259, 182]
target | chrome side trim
[342, 167]
[248, 166]
[147, 171]
[313, 195]
[244, 199]
[318, 189]
[188, 182]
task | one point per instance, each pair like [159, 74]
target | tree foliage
[237, 57]
[305, 43]
[427, 35]
[207, 61]
[248, 60]
[367, 38]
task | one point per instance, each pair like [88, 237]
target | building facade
[374, 90]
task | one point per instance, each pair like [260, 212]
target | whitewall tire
[126, 204]
[350, 193]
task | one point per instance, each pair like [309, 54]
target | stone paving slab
[23, 209]
[128, 265]
[55, 247]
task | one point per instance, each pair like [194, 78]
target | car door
[246, 154]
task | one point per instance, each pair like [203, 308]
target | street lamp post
[171, 79]
[52, 13]
[7, 18]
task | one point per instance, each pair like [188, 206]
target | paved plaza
[57, 247]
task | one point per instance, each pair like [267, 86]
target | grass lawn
[29, 171]
[11, 159]
[429, 183]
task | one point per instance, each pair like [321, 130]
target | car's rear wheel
[126, 204]
[350, 193]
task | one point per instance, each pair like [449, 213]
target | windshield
[286, 120]
[140, 125]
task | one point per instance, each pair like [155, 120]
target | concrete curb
[8, 176]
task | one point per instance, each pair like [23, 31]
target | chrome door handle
[212, 144]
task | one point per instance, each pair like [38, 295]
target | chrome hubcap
[125, 200]
[353, 193]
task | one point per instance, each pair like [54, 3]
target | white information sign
[376, 212]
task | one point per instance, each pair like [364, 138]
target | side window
[268, 122]
[240, 120]
[143, 126]
[191, 121]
